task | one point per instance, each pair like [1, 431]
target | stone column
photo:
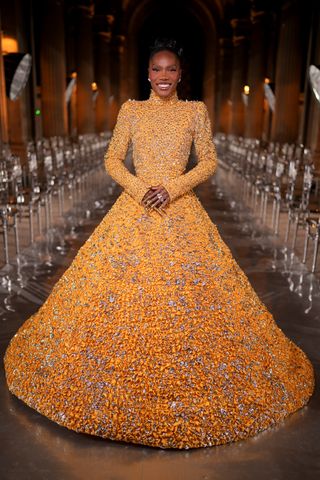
[85, 70]
[15, 18]
[53, 69]
[223, 113]
[239, 76]
[285, 126]
[103, 81]
[270, 72]
[123, 70]
[115, 99]
[312, 127]
[256, 75]
[4, 137]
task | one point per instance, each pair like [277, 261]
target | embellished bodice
[161, 131]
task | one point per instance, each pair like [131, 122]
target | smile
[164, 86]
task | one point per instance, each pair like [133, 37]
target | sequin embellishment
[154, 335]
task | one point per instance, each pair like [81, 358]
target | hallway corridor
[156, 335]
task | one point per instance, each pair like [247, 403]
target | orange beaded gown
[154, 335]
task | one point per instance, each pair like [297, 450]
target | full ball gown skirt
[154, 335]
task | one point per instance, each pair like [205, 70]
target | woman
[154, 334]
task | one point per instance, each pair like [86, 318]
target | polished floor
[33, 447]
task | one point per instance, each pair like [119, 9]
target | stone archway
[200, 21]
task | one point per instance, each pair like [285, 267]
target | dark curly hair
[165, 43]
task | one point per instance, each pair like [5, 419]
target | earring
[149, 79]
[179, 80]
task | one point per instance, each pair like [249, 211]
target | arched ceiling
[214, 8]
[190, 21]
[199, 24]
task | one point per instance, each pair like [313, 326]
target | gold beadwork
[173, 126]
[154, 335]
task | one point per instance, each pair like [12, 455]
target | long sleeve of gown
[206, 153]
[116, 154]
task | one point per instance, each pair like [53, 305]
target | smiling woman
[164, 74]
[154, 334]
[164, 68]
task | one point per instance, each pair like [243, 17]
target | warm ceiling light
[246, 89]
[267, 80]
[110, 19]
[74, 75]
[94, 86]
[9, 45]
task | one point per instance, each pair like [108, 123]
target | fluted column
[4, 137]
[85, 72]
[285, 127]
[15, 17]
[312, 126]
[239, 76]
[123, 85]
[103, 81]
[53, 69]
[223, 112]
[270, 72]
[256, 75]
[105, 20]
[115, 99]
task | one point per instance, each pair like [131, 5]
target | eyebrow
[172, 65]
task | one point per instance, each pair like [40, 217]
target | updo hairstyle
[164, 43]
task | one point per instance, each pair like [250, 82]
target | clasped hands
[156, 198]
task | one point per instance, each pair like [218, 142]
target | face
[164, 72]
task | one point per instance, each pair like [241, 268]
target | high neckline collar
[155, 98]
